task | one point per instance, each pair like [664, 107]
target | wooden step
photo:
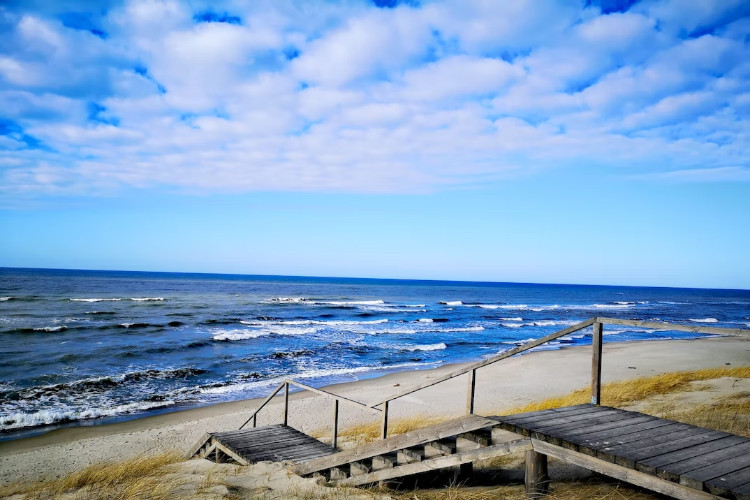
[410, 439]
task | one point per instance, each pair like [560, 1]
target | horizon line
[365, 278]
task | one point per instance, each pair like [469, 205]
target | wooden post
[470, 392]
[255, 419]
[537, 477]
[286, 402]
[334, 441]
[384, 424]
[596, 364]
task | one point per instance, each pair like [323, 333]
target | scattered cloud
[368, 97]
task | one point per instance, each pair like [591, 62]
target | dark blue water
[90, 346]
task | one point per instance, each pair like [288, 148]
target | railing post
[384, 422]
[334, 441]
[470, 392]
[255, 419]
[596, 364]
[286, 402]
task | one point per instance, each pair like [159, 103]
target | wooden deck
[680, 460]
[277, 443]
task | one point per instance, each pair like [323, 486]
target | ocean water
[85, 347]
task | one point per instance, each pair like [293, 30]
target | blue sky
[536, 141]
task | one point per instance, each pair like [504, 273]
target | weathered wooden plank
[651, 460]
[230, 452]
[578, 421]
[574, 434]
[608, 442]
[742, 492]
[565, 419]
[675, 490]
[727, 473]
[197, 447]
[437, 463]
[739, 453]
[644, 434]
[411, 438]
[533, 416]
[733, 482]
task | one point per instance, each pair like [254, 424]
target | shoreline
[510, 383]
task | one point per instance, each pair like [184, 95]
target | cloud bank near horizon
[381, 97]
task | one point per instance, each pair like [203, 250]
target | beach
[499, 387]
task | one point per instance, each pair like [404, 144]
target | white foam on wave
[351, 302]
[538, 323]
[51, 329]
[618, 305]
[425, 320]
[5, 299]
[46, 417]
[147, 299]
[425, 347]
[245, 334]
[288, 300]
[451, 302]
[103, 299]
[704, 320]
[238, 334]
[386, 308]
[324, 372]
[430, 329]
[517, 318]
[488, 306]
[315, 322]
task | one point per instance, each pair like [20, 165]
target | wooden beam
[622, 473]
[285, 416]
[334, 440]
[653, 325]
[384, 421]
[470, 392]
[437, 463]
[537, 476]
[596, 364]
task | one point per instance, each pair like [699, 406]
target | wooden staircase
[448, 444]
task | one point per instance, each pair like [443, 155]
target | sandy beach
[502, 386]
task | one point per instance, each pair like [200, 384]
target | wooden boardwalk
[276, 443]
[680, 460]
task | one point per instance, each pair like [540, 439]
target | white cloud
[359, 99]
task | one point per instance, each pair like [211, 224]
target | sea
[91, 347]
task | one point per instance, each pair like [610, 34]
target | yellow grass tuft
[728, 414]
[629, 391]
[137, 478]
[365, 433]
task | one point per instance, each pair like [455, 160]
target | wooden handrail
[332, 395]
[493, 359]
[264, 403]
[675, 327]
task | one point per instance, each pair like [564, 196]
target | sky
[600, 142]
